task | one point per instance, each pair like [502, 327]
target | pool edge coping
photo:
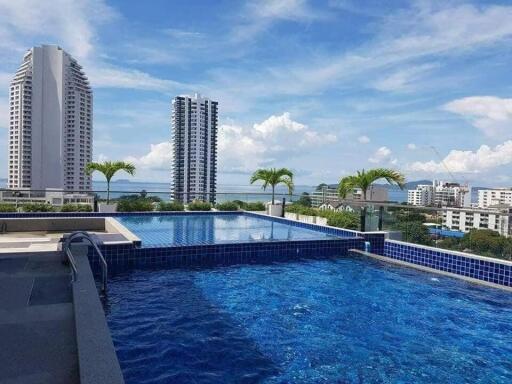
[97, 358]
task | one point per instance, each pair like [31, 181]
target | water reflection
[212, 229]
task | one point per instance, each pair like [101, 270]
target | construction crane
[446, 167]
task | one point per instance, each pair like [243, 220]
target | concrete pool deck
[37, 326]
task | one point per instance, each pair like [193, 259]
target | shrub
[227, 206]
[38, 207]
[414, 232]
[256, 206]
[76, 208]
[6, 207]
[143, 195]
[348, 220]
[140, 204]
[302, 210]
[304, 200]
[171, 206]
[198, 205]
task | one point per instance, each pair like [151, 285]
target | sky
[322, 87]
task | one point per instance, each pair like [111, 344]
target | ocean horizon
[225, 192]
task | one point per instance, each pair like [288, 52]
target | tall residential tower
[50, 130]
[194, 136]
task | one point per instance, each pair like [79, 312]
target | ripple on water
[346, 320]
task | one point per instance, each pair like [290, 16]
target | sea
[225, 192]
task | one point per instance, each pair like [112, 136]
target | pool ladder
[67, 252]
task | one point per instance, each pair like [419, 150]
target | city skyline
[323, 88]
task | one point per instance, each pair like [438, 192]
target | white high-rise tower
[194, 136]
[50, 131]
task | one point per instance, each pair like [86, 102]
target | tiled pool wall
[123, 257]
[315, 227]
[471, 266]
[376, 239]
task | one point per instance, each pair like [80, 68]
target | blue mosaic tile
[123, 257]
[481, 269]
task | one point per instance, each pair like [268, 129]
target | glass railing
[484, 233]
[473, 230]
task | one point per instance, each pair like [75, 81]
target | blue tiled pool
[207, 229]
[337, 320]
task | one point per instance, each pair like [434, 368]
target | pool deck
[37, 326]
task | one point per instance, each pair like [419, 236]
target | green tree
[304, 200]
[484, 242]
[414, 232]
[273, 177]
[109, 169]
[364, 179]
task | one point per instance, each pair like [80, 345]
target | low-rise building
[336, 206]
[423, 195]
[464, 219]
[440, 194]
[376, 193]
[55, 197]
[497, 196]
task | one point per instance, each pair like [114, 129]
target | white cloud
[411, 146]
[424, 32]
[363, 139]
[71, 23]
[403, 79]
[276, 138]
[257, 16]
[483, 159]
[274, 124]
[492, 115]
[106, 76]
[159, 158]
[382, 155]
[102, 158]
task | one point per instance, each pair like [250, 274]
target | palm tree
[364, 180]
[109, 169]
[273, 177]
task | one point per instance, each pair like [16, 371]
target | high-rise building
[50, 130]
[492, 197]
[194, 136]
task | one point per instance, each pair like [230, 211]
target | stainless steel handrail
[67, 251]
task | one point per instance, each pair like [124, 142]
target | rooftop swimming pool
[337, 320]
[208, 229]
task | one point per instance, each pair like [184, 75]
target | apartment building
[423, 195]
[440, 194]
[375, 193]
[465, 219]
[194, 135]
[50, 127]
[492, 197]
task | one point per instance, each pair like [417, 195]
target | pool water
[207, 229]
[345, 320]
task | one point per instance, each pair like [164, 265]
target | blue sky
[322, 87]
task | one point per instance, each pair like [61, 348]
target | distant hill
[408, 185]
